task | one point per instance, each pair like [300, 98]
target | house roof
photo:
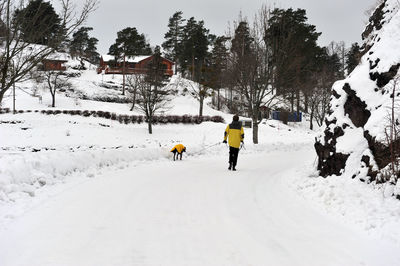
[129, 59]
[57, 56]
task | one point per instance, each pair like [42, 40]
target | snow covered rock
[354, 143]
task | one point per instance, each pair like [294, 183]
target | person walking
[235, 134]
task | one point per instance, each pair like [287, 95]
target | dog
[178, 150]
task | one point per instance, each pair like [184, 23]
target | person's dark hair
[235, 118]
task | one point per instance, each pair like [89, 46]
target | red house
[54, 64]
[133, 65]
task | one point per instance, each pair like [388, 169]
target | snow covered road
[190, 212]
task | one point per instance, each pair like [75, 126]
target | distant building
[133, 65]
[53, 65]
[54, 62]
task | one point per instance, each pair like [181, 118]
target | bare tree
[319, 105]
[19, 58]
[200, 92]
[135, 83]
[153, 95]
[251, 68]
[55, 80]
[392, 131]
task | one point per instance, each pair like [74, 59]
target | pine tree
[219, 60]
[173, 38]
[353, 57]
[39, 23]
[129, 43]
[84, 46]
[242, 41]
[194, 47]
[293, 44]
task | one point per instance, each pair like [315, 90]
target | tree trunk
[292, 101]
[150, 121]
[311, 118]
[298, 101]
[53, 96]
[306, 99]
[218, 101]
[134, 100]
[2, 92]
[123, 77]
[53, 100]
[192, 66]
[201, 105]
[230, 98]
[255, 131]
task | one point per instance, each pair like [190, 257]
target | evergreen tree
[242, 41]
[194, 47]
[129, 43]
[293, 44]
[39, 23]
[91, 50]
[242, 48]
[219, 60]
[173, 38]
[353, 57]
[84, 46]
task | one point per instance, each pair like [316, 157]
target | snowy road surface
[191, 212]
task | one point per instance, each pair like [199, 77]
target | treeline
[261, 63]
[274, 60]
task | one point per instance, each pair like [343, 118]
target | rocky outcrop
[355, 108]
[354, 142]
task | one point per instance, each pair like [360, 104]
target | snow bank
[351, 202]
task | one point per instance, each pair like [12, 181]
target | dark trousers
[233, 155]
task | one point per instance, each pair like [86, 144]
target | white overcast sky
[338, 20]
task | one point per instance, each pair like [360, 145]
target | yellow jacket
[235, 133]
[179, 148]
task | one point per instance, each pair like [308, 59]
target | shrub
[4, 110]
[113, 116]
[197, 119]
[107, 115]
[86, 113]
[127, 119]
[163, 119]
[217, 119]
[187, 119]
